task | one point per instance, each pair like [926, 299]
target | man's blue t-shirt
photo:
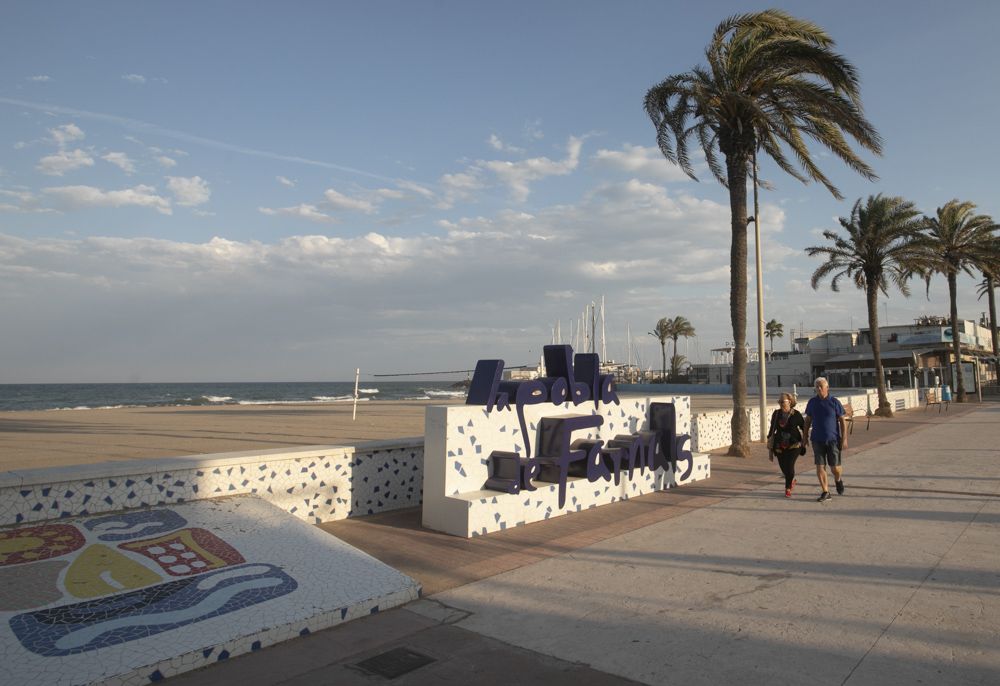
[824, 413]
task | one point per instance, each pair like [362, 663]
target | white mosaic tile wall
[319, 484]
[713, 430]
[460, 438]
[266, 578]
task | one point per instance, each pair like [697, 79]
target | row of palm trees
[772, 83]
[888, 242]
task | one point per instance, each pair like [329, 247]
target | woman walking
[784, 439]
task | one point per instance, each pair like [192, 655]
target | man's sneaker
[788, 493]
[824, 496]
[792, 487]
[840, 488]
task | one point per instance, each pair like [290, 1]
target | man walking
[826, 428]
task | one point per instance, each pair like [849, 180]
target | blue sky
[220, 191]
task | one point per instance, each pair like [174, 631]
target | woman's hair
[791, 399]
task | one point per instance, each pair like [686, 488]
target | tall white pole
[357, 377]
[760, 306]
[604, 338]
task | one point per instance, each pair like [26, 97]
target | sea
[95, 396]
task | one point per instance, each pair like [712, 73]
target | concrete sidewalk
[897, 581]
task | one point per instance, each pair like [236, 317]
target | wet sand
[66, 437]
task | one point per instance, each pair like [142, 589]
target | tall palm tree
[679, 326]
[879, 249]
[774, 329]
[991, 276]
[662, 332]
[772, 82]
[956, 240]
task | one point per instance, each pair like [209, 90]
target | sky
[288, 191]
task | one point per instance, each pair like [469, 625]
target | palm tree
[879, 249]
[991, 274]
[662, 332]
[678, 326]
[774, 329]
[772, 81]
[956, 240]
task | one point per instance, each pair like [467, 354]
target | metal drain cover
[395, 663]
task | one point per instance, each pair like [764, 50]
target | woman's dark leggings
[786, 460]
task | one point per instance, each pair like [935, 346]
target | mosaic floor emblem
[30, 544]
[142, 595]
[190, 551]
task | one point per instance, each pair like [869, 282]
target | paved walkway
[897, 581]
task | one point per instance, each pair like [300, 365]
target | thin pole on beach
[357, 377]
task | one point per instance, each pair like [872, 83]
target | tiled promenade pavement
[896, 582]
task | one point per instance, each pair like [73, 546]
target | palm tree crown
[957, 240]
[774, 329]
[772, 82]
[879, 249]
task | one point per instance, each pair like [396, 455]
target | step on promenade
[896, 582]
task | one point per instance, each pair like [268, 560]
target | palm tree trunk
[956, 337]
[991, 296]
[663, 351]
[884, 410]
[673, 363]
[736, 177]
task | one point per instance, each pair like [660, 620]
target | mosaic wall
[314, 485]
[712, 430]
[460, 439]
[136, 596]
[715, 430]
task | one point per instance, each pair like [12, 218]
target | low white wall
[317, 484]
[713, 430]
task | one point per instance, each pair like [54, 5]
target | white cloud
[137, 79]
[74, 197]
[61, 135]
[339, 201]
[166, 161]
[20, 200]
[64, 161]
[303, 211]
[284, 181]
[642, 161]
[497, 144]
[120, 160]
[390, 193]
[41, 78]
[189, 191]
[460, 187]
[519, 175]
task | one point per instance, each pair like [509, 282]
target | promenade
[896, 582]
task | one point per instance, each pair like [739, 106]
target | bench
[850, 413]
[932, 396]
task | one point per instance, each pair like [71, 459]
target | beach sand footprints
[140, 573]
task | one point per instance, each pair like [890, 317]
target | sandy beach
[36, 439]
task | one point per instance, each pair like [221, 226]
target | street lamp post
[760, 306]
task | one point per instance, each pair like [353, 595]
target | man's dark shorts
[826, 453]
